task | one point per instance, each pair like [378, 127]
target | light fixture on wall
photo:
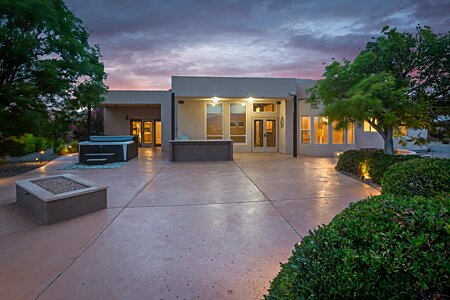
[250, 99]
[215, 100]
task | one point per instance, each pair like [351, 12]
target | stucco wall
[191, 120]
[362, 139]
[137, 105]
[232, 87]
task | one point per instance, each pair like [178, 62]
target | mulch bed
[13, 166]
[366, 181]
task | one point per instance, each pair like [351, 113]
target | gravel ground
[437, 150]
[59, 185]
[16, 165]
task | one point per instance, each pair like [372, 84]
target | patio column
[172, 116]
[295, 127]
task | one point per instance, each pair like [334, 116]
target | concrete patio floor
[203, 230]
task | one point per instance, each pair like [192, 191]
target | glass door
[136, 130]
[148, 133]
[158, 133]
[264, 135]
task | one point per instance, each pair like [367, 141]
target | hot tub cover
[111, 138]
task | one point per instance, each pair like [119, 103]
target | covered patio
[172, 230]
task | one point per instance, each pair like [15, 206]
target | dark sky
[143, 42]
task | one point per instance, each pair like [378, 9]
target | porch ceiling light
[215, 100]
[250, 99]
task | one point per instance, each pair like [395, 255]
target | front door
[148, 132]
[136, 130]
[264, 133]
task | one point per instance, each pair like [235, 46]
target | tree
[46, 65]
[389, 84]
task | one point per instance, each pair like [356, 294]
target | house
[256, 113]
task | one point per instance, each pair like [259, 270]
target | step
[100, 154]
[96, 161]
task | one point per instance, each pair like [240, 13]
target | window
[238, 117]
[264, 107]
[350, 133]
[305, 130]
[320, 130]
[337, 136]
[368, 127]
[214, 121]
[401, 131]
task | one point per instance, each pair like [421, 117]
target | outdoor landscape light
[215, 100]
[250, 99]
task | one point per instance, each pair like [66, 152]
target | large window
[305, 130]
[214, 121]
[238, 124]
[350, 133]
[337, 136]
[264, 107]
[401, 131]
[368, 127]
[320, 130]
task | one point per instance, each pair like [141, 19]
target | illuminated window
[214, 121]
[305, 130]
[337, 136]
[264, 107]
[238, 116]
[401, 131]
[368, 127]
[350, 133]
[320, 130]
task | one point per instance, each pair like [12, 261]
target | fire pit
[55, 198]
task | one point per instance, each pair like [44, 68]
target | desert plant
[383, 247]
[62, 150]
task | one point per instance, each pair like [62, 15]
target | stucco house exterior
[256, 113]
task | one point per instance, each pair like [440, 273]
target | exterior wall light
[250, 99]
[215, 100]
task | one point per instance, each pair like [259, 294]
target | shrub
[57, 144]
[28, 142]
[62, 150]
[73, 147]
[379, 248]
[378, 163]
[351, 161]
[425, 177]
[370, 164]
[40, 143]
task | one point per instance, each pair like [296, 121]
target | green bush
[373, 164]
[351, 161]
[62, 150]
[73, 147]
[427, 177]
[40, 144]
[378, 163]
[57, 144]
[384, 247]
[28, 142]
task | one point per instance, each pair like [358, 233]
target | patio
[184, 230]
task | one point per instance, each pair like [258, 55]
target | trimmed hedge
[378, 248]
[374, 163]
[428, 177]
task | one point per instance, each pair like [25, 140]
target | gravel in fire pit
[59, 185]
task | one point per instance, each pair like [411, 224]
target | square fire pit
[55, 198]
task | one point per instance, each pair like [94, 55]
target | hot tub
[109, 148]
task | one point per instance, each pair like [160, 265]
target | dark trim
[172, 117]
[295, 129]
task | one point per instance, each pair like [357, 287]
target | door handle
[265, 134]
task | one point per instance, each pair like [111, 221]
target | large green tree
[399, 79]
[47, 67]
